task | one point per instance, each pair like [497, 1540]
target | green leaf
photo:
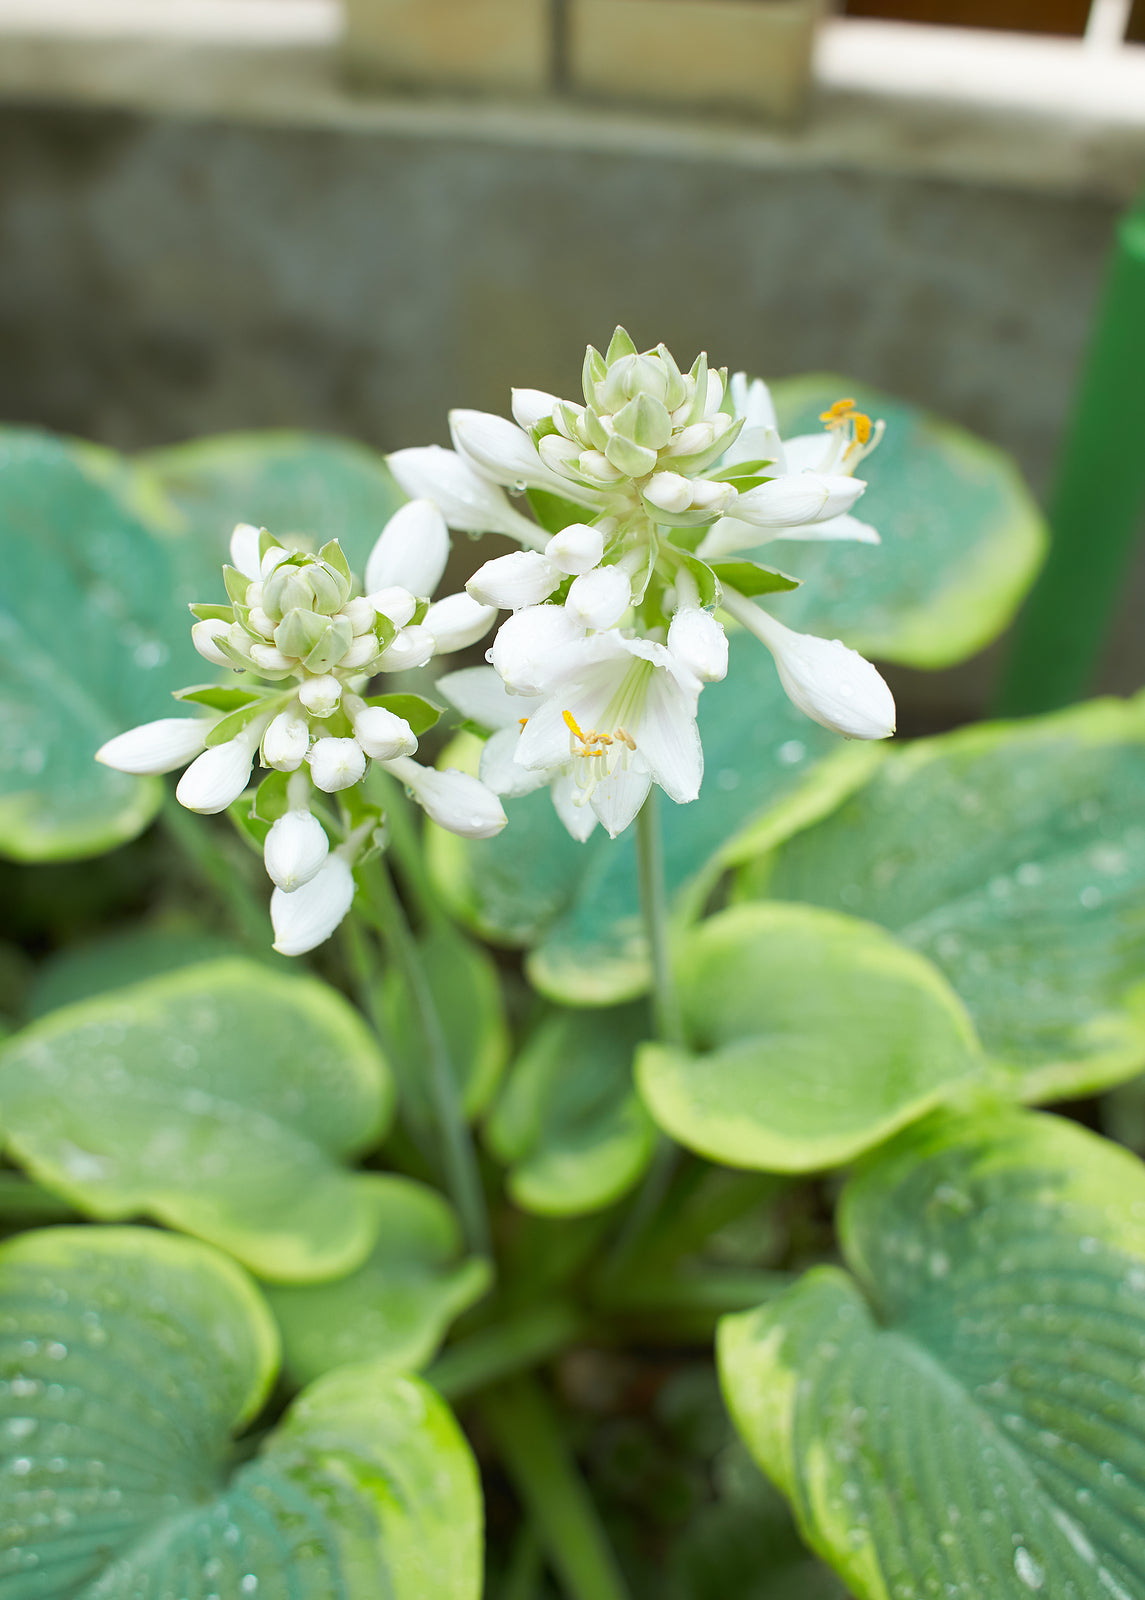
[962, 539]
[769, 771]
[815, 1037]
[420, 713]
[553, 512]
[218, 697]
[466, 990]
[397, 1306]
[568, 1123]
[92, 640]
[964, 1416]
[702, 574]
[751, 579]
[221, 1099]
[1013, 856]
[117, 960]
[128, 1359]
[299, 486]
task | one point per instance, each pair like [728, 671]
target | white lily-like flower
[156, 747]
[469, 501]
[830, 683]
[305, 917]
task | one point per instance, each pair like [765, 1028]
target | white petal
[525, 649]
[698, 641]
[502, 451]
[811, 452]
[571, 807]
[522, 578]
[285, 742]
[479, 694]
[798, 497]
[412, 647]
[752, 401]
[617, 799]
[295, 849]
[308, 916]
[545, 738]
[577, 548]
[244, 550]
[599, 599]
[829, 683]
[336, 764]
[500, 770]
[844, 527]
[395, 603]
[411, 550]
[669, 741]
[382, 734]
[454, 800]
[456, 621]
[156, 746]
[216, 778]
[204, 636]
[531, 406]
[465, 499]
[756, 444]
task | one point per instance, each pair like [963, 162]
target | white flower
[156, 747]
[699, 643]
[336, 764]
[829, 683]
[295, 849]
[505, 453]
[307, 916]
[381, 733]
[528, 646]
[467, 500]
[411, 550]
[509, 583]
[454, 800]
[599, 599]
[456, 621]
[621, 716]
[215, 779]
[285, 742]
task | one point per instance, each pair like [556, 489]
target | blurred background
[224, 214]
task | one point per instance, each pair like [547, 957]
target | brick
[495, 46]
[741, 56]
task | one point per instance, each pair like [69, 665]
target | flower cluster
[304, 641]
[644, 490]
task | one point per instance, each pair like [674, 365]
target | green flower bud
[337, 636]
[645, 421]
[299, 631]
[619, 345]
[286, 590]
[634, 460]
[331, 590]
[677, 389]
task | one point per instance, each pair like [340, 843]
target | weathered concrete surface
[162, 278]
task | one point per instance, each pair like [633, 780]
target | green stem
[654, 905]
[550, 1487]
[194, 837]
[526, 1566]
[505, 1349]
[384, 910]
[406, 844]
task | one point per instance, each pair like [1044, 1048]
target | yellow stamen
[844, 412]
[571, 725]
[523, 721]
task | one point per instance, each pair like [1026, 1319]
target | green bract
[222, 1099]
[1013, 856]
[964, 1416]
[128, 1359]
[814, 1037]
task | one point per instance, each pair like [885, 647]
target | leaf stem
[384, 910]
[545, 1475]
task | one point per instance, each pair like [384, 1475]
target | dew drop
[1027, 1569]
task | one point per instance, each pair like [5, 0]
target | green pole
[1097, 502]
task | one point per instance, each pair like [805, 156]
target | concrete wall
[161, 278]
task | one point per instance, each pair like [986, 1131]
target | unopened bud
[394, 603]
[669, 491]
[244, 549]
[204, 636]
[382, 734]
[156, 746]
[600, 598]
[336, 764]
[576, 549]
[511, 582]
[413, 647]
[321, 695]
[295, 849]
[285, 742]
[454, 800]
[456, 621]
[699, 643]
[215, 779]
[307, 916]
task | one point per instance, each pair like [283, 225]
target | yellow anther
[523, 721]
[844, 412]
[627, 738]
[839, 412]
[571, 725]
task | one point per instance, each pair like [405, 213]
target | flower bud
[669, 491]
[524, 649]
[576, 549]
[321, 695]
[511, 582]
[710, 496]
[336, 764]
[798, 497]
[413, 647]
[600, 598]
[307, 916]
[699, 643]
[466, 499]
[259, 621]
[156, 746]
[382, 734]
[396, 604]
[203, 637]
[215, 779]
[360, 614]
[362, 652]
[268, 658]
[531, 406]
[285, 742]
[411, 550]
[295, 849]
[454, 800]
[244, 549]
[497, 447]
[286, 590]
[558, 453]
[457, 620]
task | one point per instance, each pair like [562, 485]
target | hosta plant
[387, 1142]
